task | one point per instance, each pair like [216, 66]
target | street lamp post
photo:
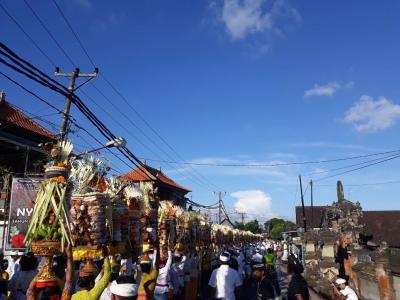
[118, 142]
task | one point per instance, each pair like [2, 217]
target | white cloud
[256, 203]
[244, 17]
[328, 89]
[368, 115]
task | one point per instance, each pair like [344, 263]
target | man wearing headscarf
[225, 281]
[344, 292]
[124, 288]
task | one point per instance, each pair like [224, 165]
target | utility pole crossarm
[71, 87]
[219, 204]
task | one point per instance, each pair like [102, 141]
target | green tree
[253, 226]
[275, 227]
[239, 225]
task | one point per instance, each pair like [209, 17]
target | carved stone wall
[368, 271]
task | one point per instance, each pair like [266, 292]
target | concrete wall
[368, 289]
[396, 286]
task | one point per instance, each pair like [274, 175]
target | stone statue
[340, 192]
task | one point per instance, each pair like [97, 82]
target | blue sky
[232, 81]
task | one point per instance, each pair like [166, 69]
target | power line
[58, 112]
[364, 184]
[100, 126]
[74, 33]
[211, 206]
[132, 135]
[34, 76]
[150, 127]
[49, 33]
[117, 122]
[43, 82]
[27, 35]
[359, 168]
[277, 164]
[198, 176]
[349, 166]
[108, 82]
[92, 147]
[30, 92]
[32, 118]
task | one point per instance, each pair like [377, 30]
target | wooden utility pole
[312, 203]
[220, 194]
[242, 215]
[71, 87]
[302, 205]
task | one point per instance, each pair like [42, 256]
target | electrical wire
[151, 128]
[74, 33]
[117, 122]
[46, 84]
[49, 33]
[211, 206]
[359, 168]
[103, 130]
[53, 107]
[278, 164]
[197, 174]
[349, 166]
[27, 35]
[32, 118]
[194, 177]
[30, 92]
[39, 78]
[197, 177]
[75, 99]
[364, 184]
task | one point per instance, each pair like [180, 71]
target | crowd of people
[234, 272]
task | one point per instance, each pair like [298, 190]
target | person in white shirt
[257, 256]
[176, 275]
[161, 290]
[225, 280]
[21, 279]
[241, 263]
[344, 292]
[13, 263]
[285, 254]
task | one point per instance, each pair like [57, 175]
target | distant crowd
[251, 271]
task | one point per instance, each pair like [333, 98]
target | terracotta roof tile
[139, 174]
[11, 115]
[150, 174]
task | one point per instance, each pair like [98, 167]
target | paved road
[248, 291]
[284, 280]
